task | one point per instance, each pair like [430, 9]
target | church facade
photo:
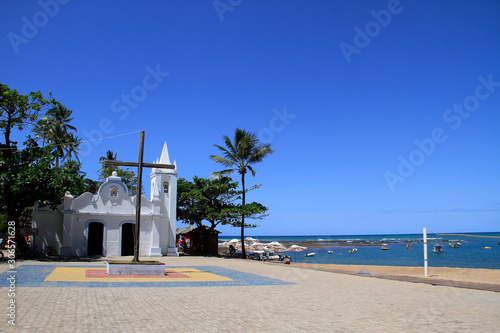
[103, 223]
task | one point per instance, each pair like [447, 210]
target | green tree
[213, 200]
[27, 175]
[91, 186]
[54, 129]
[128, 177]
[18, 111]
[32, 179]
[238, 156]
[205, 199]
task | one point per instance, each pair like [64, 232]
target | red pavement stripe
[100, 273]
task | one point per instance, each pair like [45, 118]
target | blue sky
[384, 115]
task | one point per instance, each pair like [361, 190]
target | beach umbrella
[239, 247]
[274, 245]
[280, 249]
[295, 249]
[251, 240]
[258, 246]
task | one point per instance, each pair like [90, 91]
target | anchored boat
[438, 248]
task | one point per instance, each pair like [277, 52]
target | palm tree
[239, 155]
[128, 177]
[61, 115]
[109, 156]
[72, 146]
[106, 171]
[54, 129]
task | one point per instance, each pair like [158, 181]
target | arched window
[165, 187]
[113, 192]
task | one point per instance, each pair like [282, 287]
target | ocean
[478, 250]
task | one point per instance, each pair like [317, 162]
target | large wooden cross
[139, 164]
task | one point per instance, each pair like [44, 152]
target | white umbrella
[258, 245]
[240, 248]
[280, 249]
[274, 245]
[296, 248]
[251, 240]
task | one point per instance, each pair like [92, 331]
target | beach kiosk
[198, 240]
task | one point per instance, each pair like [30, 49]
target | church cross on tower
[140, 165]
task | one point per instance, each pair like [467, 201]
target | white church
[103, 224]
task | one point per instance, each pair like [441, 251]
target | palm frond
[231, 149]
[243, 151]
[222, 160]
[220, 174]
[252, 170]
[260, 153]
[227, 154]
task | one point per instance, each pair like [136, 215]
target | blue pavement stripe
[34, 276]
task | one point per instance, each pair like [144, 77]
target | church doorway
[127, 239]
[95, 238]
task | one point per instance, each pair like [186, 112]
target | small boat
[438, 248]
[487, 247]
[384, 248]
[454, 244]
[408, 246]
[310, 254]
[330, 252]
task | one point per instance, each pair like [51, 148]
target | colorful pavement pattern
[97, 277]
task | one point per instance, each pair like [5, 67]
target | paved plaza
[226, 295]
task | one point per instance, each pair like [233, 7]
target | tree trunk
[243, 252]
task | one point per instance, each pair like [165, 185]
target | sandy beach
[491, 276]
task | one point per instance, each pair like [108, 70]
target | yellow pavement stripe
[79, 274]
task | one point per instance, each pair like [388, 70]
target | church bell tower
[164, 192]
